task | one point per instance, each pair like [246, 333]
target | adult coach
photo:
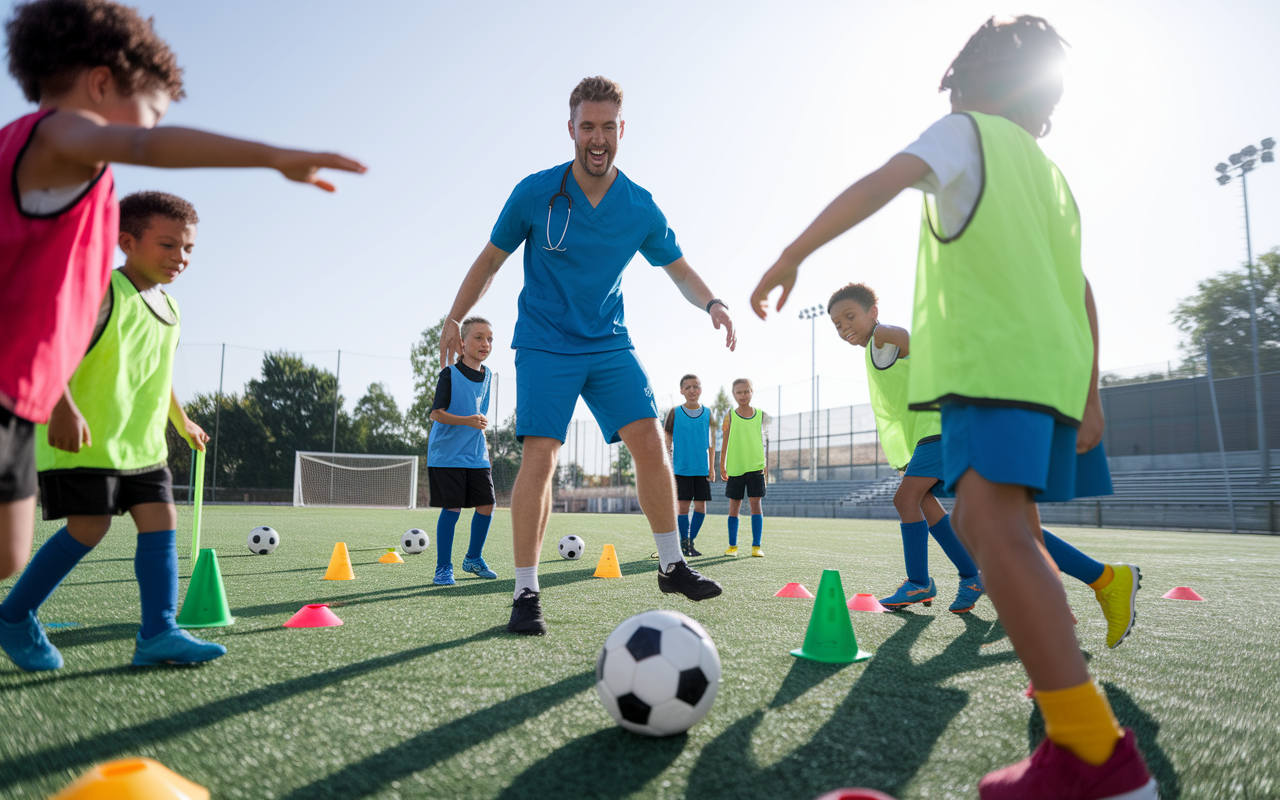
[581, 223]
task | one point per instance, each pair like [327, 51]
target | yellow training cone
[340, 564]
[132, 778]
[608, 567]
[391, 557]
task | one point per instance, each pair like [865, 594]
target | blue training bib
[461, 445]
[690, 438]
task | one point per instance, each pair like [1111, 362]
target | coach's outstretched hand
[782, 273]
[450, 342]
[720, 317]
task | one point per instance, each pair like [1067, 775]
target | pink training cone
[794, 590]
[864, 601]
[1182, 593]
[855, 794]
[313, 615]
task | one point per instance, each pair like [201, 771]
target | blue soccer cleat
[477, 567]
[175, 646]
[26, 644]
[444, 576]
[967, 597]
[909, 593]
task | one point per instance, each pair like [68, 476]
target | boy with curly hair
[123, 391]
[1005, 344]
[103, 80]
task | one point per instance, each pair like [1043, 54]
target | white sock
[526, 578]
[668, 548]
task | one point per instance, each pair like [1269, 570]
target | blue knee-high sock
[479, 532]
[955, 551]
[682, 522]
[1072, 561]
[757, 529]
[444, 536]
[696, 524]
[155, 563]
[44, 572]
[915, 550]
[733, 531]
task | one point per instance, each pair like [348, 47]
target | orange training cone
[391, 557]
[607, 566]
[130, 778]
[339, 564]
[864, 601]
[855, 794]
[1182, 593]
[314, 615]
[794, 590]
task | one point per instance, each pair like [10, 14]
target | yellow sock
[1108, 575]
[1080, 720]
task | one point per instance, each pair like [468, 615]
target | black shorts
[85, 492]
[460, 487]
[17, 457]
[692, 487]
[749, 483]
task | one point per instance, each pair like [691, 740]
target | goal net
[355, 481]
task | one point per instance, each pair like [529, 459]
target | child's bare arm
[68, 429]
[1093, 423]
[892, 334]
[193, 433]
[855, 204]
[724, 442]
[477, 421]
[90, 141]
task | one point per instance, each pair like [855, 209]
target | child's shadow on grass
[862, 744]
[1130, 715]
[625, 763]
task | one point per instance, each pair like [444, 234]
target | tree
[624, 466]
[722, 404]
[1219, 312]
[379, 425]
[506, 454]
[425, 357]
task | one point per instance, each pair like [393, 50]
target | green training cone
[206, 603]
[830, 638]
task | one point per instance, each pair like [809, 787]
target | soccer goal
[351, 480]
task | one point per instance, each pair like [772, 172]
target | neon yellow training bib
[745, 448]
[901, 429]
[122, 388]
[999, 314]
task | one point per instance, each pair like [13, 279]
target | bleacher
[813, 491]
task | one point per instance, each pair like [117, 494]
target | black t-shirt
[445, 382]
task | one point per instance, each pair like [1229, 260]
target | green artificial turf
[422, 694]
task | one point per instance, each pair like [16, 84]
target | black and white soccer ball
[415, 540]
[572, 547]
[658, 673]
[263, 541]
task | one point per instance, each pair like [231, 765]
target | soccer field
[422, 694]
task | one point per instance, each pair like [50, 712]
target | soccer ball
[415, 540]
[572, 547]
[657, 673]
[263, 540]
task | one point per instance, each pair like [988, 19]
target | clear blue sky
[744, 119]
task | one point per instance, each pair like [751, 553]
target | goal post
[354, 480]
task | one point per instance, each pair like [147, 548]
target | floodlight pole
[337, 383]
[812, 313]
[1243, 163]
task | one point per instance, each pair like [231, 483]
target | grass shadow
[849, 750]
[75, 756]
[63, 638]
[1130, 715]
[626, 761]
[375, 772]
[63, 676]
[803, 676]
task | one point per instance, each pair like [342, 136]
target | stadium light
[812, 313]
[1243, 163]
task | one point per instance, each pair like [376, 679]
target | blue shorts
[613, 383]
[1020, 447]
[926, 462]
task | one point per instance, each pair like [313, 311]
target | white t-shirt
[951, 149]
[883, 355]
[49, 201]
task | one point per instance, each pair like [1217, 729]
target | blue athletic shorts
[1020, 447]
[613, 384]
[926, 462]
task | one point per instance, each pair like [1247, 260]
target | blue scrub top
[572, 299]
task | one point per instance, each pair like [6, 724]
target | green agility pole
[195, 521]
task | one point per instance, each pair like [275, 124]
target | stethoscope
[551, 207]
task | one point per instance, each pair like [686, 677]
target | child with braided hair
[1004, 344]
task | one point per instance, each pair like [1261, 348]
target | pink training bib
[54, 270]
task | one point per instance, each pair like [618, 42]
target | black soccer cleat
[680, 579]
[526, 615]
[692, 551]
